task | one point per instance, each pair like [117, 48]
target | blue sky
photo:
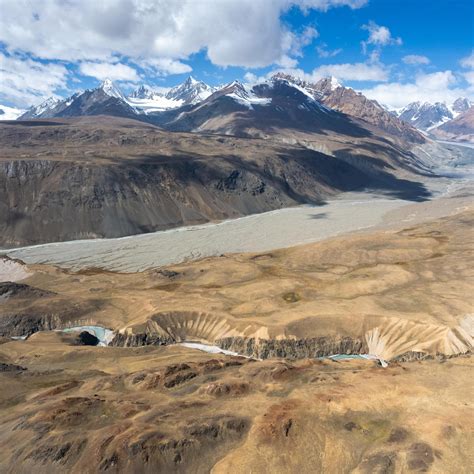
[395, 51]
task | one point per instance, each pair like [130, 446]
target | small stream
[337, 357]
[208, 348]
[105, 336]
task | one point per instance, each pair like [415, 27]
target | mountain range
[194, 105]
[235, 108]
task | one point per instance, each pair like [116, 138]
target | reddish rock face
[348, 101]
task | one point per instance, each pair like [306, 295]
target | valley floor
[349, 213]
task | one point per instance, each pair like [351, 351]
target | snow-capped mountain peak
[190, 91]
[334, 83]
[49, 103]
[41, 110]
[110, 89]
[243, 95]
[307, 89]
[236, 87]
[426, 116]
[192, 80]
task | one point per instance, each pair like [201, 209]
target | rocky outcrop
[140, 339]
[412, 356]
[4, 367]
[22, 317]
[180, 326]
[26, 324]
[292, 348]
[9, 289]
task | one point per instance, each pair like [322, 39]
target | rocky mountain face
[461, 104]
[110, 89]
[350, 102]
[260, 110]
[108, 177]
[143, 92]
[426, 116]
[46, 109]
[97, 102]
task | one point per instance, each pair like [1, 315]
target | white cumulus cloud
[103, 70]
[468, 62]
[415, 59]
[379, 36]
[166, 66]
[156, 35]
[25, 82]
[441, 86]
[343, 72]
[324, 52]
[352, 72]
[469, 77]
[245, 33]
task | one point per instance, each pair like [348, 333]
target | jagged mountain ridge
[264, 109]
[346, 100]
[105, 99]
[190, 91]
[426, 116]
[144, 92]
[284, 106]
